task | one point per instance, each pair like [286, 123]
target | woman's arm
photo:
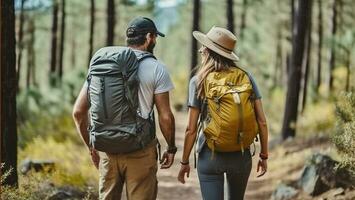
[190, 137]
[190, 133]
[263, 130]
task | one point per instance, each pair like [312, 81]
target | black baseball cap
[142, 25]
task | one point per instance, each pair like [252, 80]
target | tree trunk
[308, 61]
[62, 41]
[53, 63]
[110, 22]
[8, 93]
[290, 38]
[293, 15]
[332, 50]
[320, 44]
[347, 64]
[298, 47]
[1, 117]
[195, 27]
[278, 59]
[243, 18]
[92, 26]
[230, 15]
[73, 53]
[30, 54]
[20, 43]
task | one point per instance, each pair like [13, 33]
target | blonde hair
[211, 62]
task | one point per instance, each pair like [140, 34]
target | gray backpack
[115, 125]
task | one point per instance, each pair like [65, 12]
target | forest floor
[285, 165]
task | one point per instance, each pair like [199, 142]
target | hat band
[220, 46]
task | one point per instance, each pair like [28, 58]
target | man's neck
[141, 48]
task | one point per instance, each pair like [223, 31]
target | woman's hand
[262, 164]
[185, 169]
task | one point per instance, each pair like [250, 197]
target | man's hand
[262, 164]
[185, 169]
[95, 157]
[167, 160]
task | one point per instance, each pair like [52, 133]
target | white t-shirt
[153, 79]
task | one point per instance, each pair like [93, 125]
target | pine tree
[8, 85]
[195, 27]
[302, 21]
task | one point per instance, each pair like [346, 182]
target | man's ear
[148, 36]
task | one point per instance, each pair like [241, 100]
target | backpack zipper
[103, 99]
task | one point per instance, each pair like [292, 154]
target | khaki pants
[137, 170]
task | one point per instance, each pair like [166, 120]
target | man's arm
[166, 117]
[167, 127]
[80, 115]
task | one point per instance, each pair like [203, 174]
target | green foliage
[30, 188]
[272, 109]
[72, 161]
[344, 134]
[318, 118]
[46, 111]
[34, 186]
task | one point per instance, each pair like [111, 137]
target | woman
[218, 156]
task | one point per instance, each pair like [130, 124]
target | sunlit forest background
[56, 38]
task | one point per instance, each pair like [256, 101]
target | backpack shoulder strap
[248, 75]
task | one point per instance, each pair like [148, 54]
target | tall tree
[111, 21]
[332, 50]
[1, 117]
[302, 21]
[230, 15]
[278, 60]
[243, 18]
[53, 64]
[73, 43]
[30, 54]
[292, 33]
[62, 40]
[195, 27]
[293, 15]
[92, 26]
[320, 46]
[8, 92]
[73, 52]
[20, 42]
[308, 61]
[347, 64]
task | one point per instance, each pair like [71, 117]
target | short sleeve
[255, 87]
[162, 80]
[85, 85]
[193, 99]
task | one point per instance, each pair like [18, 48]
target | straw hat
[219, 40]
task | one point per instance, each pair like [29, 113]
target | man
[135, 169]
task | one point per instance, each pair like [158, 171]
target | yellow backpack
[231, 124]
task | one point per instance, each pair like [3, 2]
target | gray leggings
[235, 165]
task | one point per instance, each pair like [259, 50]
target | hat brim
[160, 34]
[204, 40]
